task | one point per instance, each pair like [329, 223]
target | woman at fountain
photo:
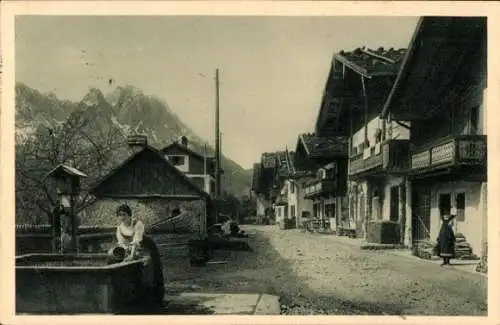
[129, 233]
[134, 244]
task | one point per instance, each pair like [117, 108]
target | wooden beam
[403, 125]
[365, 96]
[378, 56]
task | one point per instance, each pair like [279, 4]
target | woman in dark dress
[446, 240]
[134, 244]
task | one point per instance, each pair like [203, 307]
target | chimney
[137, 142]
[183, 141]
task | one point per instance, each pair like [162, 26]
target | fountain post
[66, 180]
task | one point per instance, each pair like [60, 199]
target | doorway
[360, 221]
[421, 216]
[394, 202]
[444, 204]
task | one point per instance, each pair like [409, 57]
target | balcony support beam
[365, 98]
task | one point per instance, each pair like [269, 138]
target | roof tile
[324, 146]
[379, 61]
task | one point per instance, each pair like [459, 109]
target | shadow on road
[260, 271]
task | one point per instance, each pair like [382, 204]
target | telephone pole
[217, 147]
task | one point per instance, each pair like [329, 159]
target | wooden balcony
[391, 156]
[320, 188]
[463, 150]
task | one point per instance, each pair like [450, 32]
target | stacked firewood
[424, 249]
[463, 250]
[483, 263]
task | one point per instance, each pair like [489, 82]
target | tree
[76, 142]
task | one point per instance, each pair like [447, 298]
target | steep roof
[380, 65]
[445, 55]
[323, 146]
[62, 168]
[255, 176]
[152, 154]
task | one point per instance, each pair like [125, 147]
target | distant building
[321, 173]
[264, 187]
[199, 168]
[262, 202]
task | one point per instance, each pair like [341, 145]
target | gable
[176, 149]
[146, 174]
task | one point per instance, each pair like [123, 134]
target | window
[285, 214]
[460, 205]
[292, 210]
[444, 204]
[330, 173]
[474, 120]
[292, 188]
[330, 210]
[177, 160]
[212, 186]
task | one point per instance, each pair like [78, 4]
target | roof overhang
[440, 49]
[341, 96]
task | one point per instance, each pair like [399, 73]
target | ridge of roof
[187, 149]
[160, 156]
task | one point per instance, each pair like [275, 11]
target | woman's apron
[143, 252]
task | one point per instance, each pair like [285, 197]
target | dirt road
[315, 275]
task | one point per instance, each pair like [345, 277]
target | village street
[317, 274]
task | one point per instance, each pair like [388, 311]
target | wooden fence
[38, 239]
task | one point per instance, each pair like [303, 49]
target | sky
[272, 69]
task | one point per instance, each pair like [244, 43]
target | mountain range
[125, 109]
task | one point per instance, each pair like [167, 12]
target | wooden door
[394, 203]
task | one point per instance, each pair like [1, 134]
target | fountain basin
[76, 284]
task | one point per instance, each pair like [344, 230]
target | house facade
[444, 100]
[281, 207]
[356, 89]
[284, 194]
[323, 161]
[199, 168]
[300, 206]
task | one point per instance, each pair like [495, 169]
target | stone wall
[150, 211]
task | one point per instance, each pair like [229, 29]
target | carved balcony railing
[390, 156]
[320, 188]
[449, 152]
